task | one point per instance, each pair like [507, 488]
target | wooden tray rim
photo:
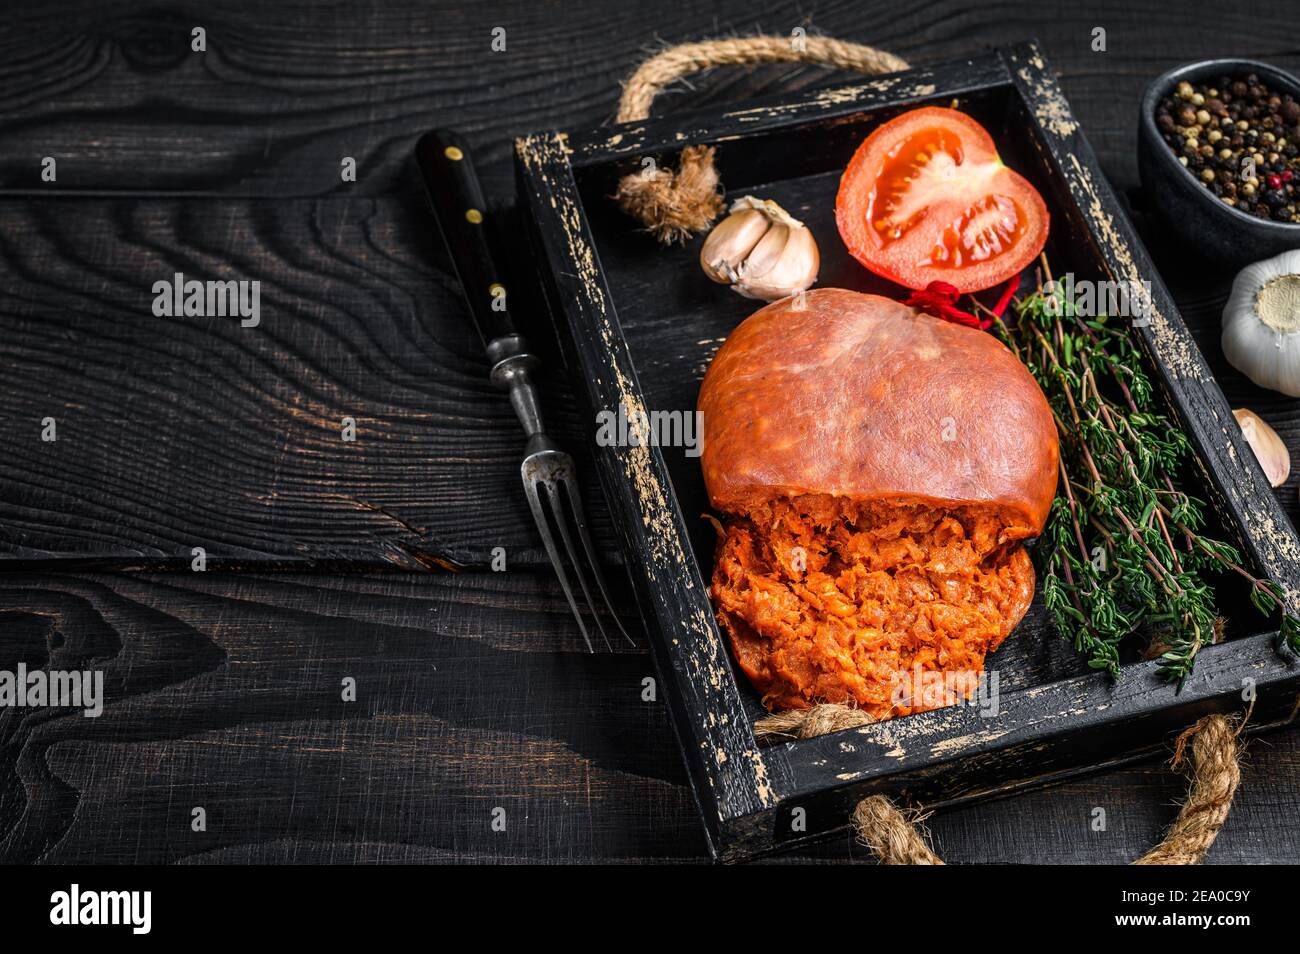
[739, 785]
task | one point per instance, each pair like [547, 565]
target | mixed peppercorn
[1241, 140]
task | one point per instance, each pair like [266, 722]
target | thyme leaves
[1126, 554]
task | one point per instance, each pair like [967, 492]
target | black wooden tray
[638, 326]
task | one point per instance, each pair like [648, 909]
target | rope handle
[675, 205]
[896, 839]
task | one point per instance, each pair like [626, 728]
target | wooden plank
[269, 109]
[182, 432]
[224, 692]
[283, 93]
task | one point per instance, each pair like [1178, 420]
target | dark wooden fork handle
[461, 213]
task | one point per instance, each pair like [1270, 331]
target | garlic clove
[730, 243]
[1268, 448]
[761, 251]
[801, 263]
[793, 270]
[765, 255]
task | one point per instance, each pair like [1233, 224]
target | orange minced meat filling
[827, 599]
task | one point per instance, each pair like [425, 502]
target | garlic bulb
[761, 251]
[1261, 323]
[1267, 446]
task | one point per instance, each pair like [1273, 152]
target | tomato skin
[926, 198]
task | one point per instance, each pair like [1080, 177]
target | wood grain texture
[224, 692]
[177, 432]
[126, 107]
[285, 91]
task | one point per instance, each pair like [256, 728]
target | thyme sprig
[1125, 552]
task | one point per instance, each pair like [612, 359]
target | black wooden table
[478, 729]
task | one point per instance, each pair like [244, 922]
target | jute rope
[896, 839]
[675, 205]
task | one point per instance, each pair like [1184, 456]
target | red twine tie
[940, 300]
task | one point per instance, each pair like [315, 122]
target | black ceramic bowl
[1193, 212]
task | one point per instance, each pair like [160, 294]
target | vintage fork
[550, 479]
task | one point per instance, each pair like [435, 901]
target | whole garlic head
[1261, 323]
[761, 251]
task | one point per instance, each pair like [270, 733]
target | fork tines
[550, 475]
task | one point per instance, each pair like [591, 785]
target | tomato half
[926, 198]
